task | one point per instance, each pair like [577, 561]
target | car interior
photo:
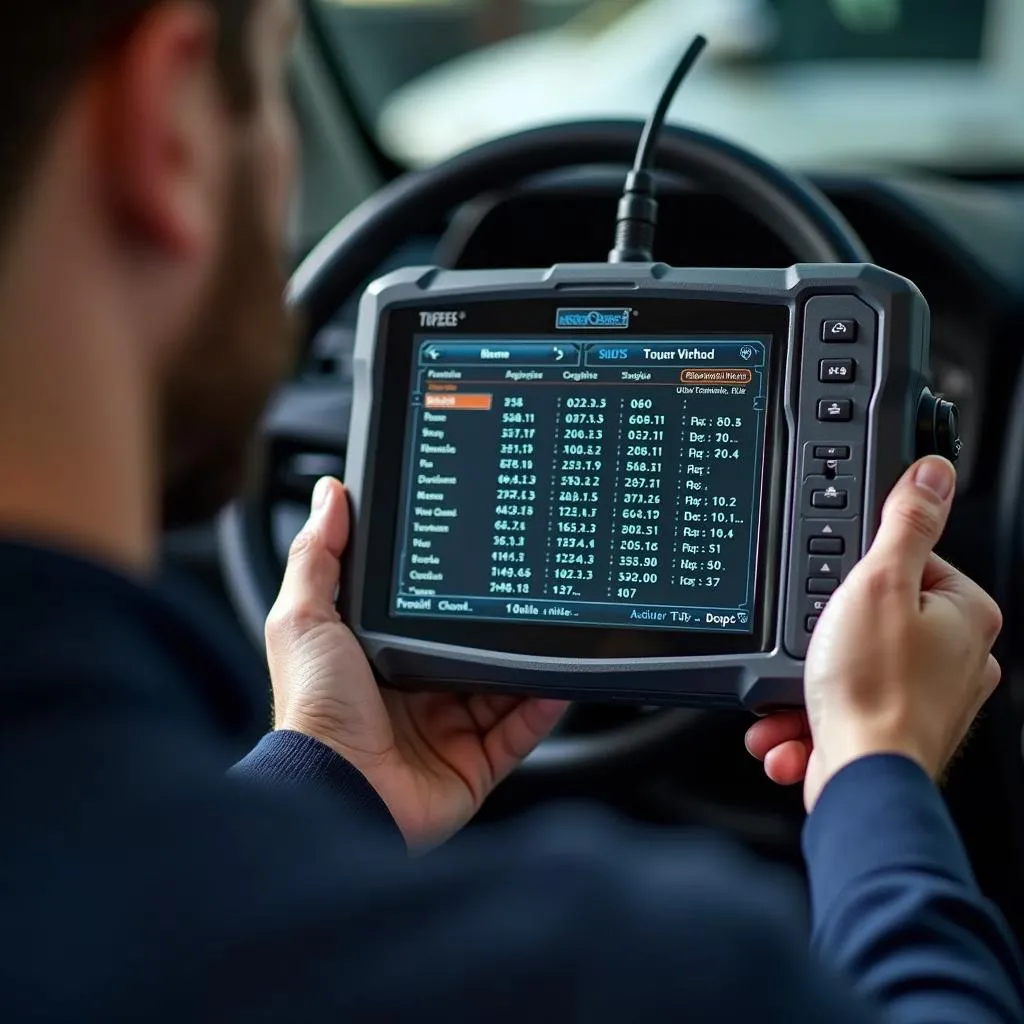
[950, 219]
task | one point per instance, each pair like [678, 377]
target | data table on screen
[552, 480]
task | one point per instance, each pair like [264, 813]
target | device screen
[559, 479]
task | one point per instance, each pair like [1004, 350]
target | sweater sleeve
[286, 758]
[896, 908]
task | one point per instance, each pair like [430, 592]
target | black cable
[649, 140]
[638, 209]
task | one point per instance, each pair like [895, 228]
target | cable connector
[637, 221]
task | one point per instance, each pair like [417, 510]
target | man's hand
[433, 758]
[901, 660]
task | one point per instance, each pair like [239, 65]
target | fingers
[786, 765]
[519, 732]
[913, 520]
[768, 733]
[981, 611]
[988, 680]
[311, 578]
[783, 742]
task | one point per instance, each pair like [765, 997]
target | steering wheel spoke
[311, 417]
[307, 430]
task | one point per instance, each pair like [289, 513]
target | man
[146, 157]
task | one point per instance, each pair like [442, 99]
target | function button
[839, 330]
[841, 371]
[835, 410]
[832, 452]
[823, 585]
[831, 497]
[824, 565]
[826, 546]
[812, 622]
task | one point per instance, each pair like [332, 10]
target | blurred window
[432, 77]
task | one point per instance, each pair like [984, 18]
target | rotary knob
[938, 427]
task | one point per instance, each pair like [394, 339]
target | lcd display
[564, 480]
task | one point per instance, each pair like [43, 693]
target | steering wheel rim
[316, 419]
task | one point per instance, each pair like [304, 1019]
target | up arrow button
[824, 566]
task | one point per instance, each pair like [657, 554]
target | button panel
[836, 388]
[819, 576]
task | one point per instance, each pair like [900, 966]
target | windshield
[814, 84]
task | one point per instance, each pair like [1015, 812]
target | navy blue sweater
[142, 881]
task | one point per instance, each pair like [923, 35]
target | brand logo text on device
[441, 318]
[593, 319]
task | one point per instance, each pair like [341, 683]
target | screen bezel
[667, 318]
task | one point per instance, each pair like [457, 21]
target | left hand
[432, 757]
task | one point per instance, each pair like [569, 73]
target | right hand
[901, 661]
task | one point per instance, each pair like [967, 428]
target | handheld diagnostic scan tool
[625, 481]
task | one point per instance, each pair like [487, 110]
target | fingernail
[937, 475]
[320, 494]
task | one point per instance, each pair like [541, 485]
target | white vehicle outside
[813, 114]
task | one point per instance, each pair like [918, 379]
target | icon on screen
[746, 352]
[741, 617]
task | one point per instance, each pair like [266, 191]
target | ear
[165, 129]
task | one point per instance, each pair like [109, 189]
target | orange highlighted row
[458, 400]
[715, 375]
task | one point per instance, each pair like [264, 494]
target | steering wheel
[313, 419]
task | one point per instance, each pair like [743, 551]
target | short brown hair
[52, 43]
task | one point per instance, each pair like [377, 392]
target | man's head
[145, 169]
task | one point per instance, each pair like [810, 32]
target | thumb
[314, 567]
[914, 517]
